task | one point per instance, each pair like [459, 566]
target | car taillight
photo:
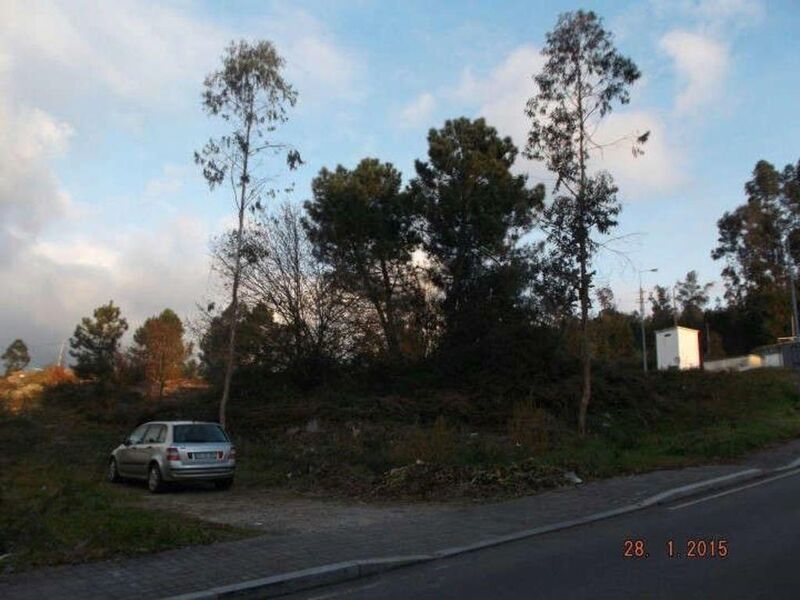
[232, 453]
[172, 454]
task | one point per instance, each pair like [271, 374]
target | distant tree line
[158, 354]
[759, 242]
[15, 357]
[369, 274]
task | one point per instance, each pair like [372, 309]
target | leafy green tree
[740, 327]
[692, 297]
[613, 337]
[258, 344]
[159, 348]
[362, 226]
[752, 236]
[759, 242]
[16, 356]
[662, 312]
[251, 96]
[475, 210]
[582, 77]
[552, 286]
[605, 298]
[95, 343]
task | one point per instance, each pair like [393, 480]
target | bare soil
[279, 512]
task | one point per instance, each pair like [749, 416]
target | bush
[438, 445]
[530, 426]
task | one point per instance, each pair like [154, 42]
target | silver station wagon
[175, 451]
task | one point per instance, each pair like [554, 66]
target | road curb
[296, 581]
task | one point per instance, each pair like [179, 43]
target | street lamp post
[641, 316]
[793, 286]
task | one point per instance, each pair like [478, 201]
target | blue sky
[100, 114]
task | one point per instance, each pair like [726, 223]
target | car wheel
[112, 475]
[224, 484]
[154, 481]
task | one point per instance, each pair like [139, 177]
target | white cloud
[418, 112]
[169, 182]
[701, 63]
[30, 195]
[49, 286]
[656, 171]
[699, 37]
[726, 13]
[154, 55]
[321, 70]
[708, 13]
[105, 68]
[144, 53]
[503, 93]
[77, 253]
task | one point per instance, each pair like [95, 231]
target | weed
[530, 426]
[438, 444]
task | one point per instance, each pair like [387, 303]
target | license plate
[205, 454]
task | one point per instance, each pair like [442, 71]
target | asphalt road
[760, 525]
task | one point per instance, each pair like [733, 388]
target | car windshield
[199, 433]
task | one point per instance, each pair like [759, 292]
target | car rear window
[198, 433]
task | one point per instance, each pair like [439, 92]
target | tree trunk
[583, 259]
[392, 337]
[161, 377]
[226, 386]
[586, 358]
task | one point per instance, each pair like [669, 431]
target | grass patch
[420, 445]
[52, 516]
[55, 506]
[638, 423]
[740, 414]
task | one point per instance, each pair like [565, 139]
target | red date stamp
[691, 548]
[635, 549]
[699, 548]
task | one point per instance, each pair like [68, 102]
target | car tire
[224, 484]
[155, 483]
[112, 473]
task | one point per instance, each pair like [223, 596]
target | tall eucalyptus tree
[251, 96]
[583, 76]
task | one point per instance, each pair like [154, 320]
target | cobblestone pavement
[201, 567]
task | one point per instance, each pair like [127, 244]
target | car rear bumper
[200, 473]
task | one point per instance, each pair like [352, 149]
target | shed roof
[677, 327]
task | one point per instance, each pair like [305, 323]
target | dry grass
[438, 444]
[530, 426]
[21, 391]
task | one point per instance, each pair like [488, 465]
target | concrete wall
[772, 359]
[736, 363]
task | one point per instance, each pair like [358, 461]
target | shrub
[438, 444]
[530, 426]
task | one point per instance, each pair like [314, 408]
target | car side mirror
[126, 441]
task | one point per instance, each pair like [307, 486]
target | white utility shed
[678, 348]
